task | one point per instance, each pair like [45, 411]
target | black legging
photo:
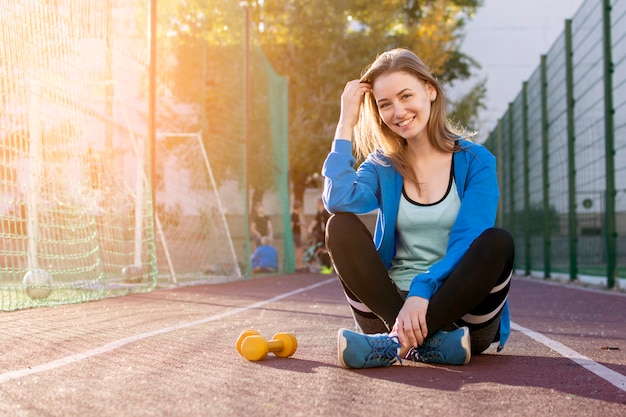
[487, 263]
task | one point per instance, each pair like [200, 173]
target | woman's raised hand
[351, 100]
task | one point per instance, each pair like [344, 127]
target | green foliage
[465, 110]
[318, 46]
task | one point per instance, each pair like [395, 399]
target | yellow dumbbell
[254, 347]
[243, 335]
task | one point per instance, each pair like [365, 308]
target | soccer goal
[76, 215]
[193, 234]
[92, 204]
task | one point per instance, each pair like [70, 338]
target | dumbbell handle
[275, 345]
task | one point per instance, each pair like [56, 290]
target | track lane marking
[609, 375]
[616, 379]
[9, 376]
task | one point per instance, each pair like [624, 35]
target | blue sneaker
[357, 350]
[447, 348]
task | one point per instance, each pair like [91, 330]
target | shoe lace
[385, 349]
[413, 355]
[426, 355]
[427, 351]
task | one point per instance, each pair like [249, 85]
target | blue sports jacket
[376, 186]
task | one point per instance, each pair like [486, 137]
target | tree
[465, 111]
[318, 45]
[321, 45]
[202, 69]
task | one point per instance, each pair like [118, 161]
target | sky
[507, 38]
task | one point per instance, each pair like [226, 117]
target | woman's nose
[399, 110]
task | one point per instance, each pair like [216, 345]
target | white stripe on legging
[358, 305]
[499, 287]
[472, 319]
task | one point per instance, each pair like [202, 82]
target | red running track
[172, 353]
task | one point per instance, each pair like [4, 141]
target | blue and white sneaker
[447, 348]
[357, 350]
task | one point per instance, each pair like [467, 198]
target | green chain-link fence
[561, 147]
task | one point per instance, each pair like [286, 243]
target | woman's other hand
[411, 322]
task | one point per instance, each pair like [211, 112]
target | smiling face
[404, 103]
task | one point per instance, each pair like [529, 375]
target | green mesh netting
[224, 91]
[76, 211]
[90, 205]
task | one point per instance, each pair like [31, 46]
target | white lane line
[614, 378]
[8, 376]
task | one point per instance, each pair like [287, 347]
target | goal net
[90, 207]
[217, 83]
[194, 238]
[75, 204]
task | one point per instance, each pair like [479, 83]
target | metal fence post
[609, 112]
[526, 179]
[571, 139]
[500, 156]
[511, 161]
[545, 127]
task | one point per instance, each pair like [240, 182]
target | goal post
[195, 238]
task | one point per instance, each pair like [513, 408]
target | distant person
[265, 257]
[296, 231]
[317, 230]
[431, 285]
[317, 227]
[260, 224]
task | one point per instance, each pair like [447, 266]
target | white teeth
[406, 122]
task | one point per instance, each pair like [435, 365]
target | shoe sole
[342, 344]
[466, 342]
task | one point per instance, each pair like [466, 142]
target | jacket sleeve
[479, 204]
[347, 189]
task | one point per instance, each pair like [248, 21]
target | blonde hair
[371, 134]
